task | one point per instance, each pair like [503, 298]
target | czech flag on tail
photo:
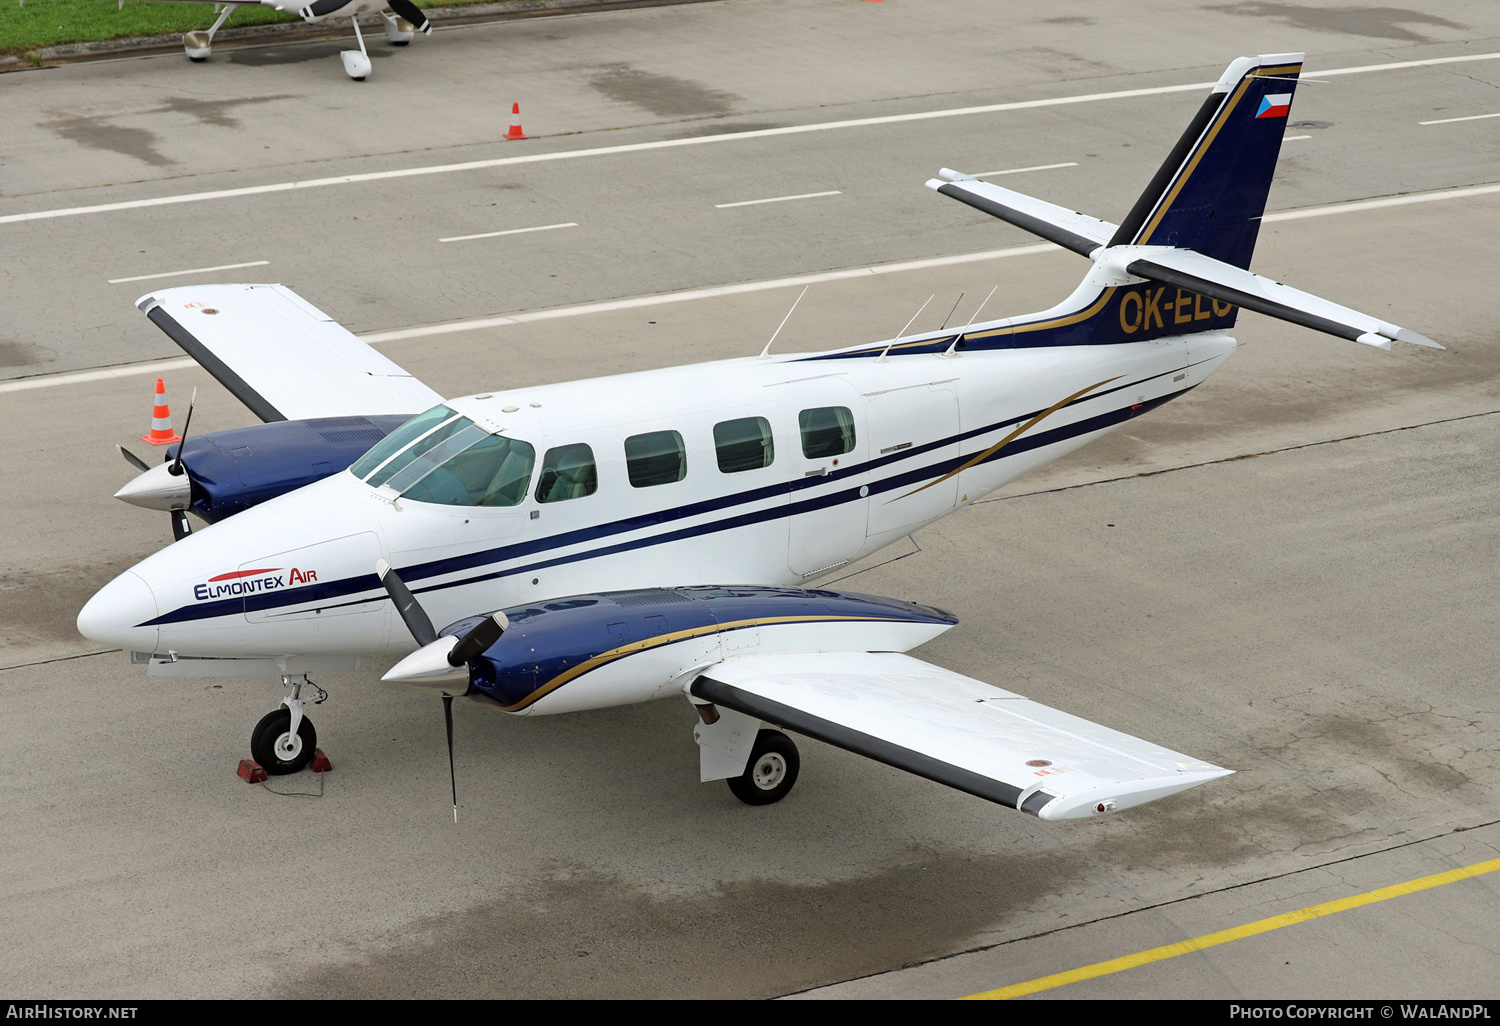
[1275, 105]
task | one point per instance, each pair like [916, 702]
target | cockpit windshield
[443, 458]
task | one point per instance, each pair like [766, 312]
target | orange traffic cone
[161, 419]
[515, 123]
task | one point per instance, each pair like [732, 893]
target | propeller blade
[406, 603]
[187, 423]
[412, 13]
[452, 776]
[181, 528]
[131, 458]
[473, 644]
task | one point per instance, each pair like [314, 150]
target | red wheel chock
[251, 772]
[320, 763]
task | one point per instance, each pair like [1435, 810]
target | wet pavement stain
[97, 133]
[1381, 22]
[23, 354]
[663, 95]
[214, 112]
[563, 937]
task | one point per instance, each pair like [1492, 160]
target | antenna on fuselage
[909, 323]
[765, 354]
[960, 299]
[951, 353]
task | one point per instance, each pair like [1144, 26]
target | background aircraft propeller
[429, 660]
[412, 13]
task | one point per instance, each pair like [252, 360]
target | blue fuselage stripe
[344, 589]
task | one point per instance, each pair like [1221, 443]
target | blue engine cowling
[547, 640]
[235, 469]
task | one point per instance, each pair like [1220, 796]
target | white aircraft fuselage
[293, 579]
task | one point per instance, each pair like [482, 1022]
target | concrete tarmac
[1320, 617]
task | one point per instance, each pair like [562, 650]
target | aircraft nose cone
[158, 488]
[114, 615]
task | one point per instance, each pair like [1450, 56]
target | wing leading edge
[281, 356]
[958, 731]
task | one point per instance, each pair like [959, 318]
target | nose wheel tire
[771, 771]
[277, 749]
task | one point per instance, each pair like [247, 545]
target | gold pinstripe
[1049, 411]
[666, 639]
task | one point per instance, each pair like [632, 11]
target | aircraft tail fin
[1179, 261]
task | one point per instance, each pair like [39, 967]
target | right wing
[953, 729]
[281, 356]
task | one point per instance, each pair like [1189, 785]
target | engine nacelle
[235, 469]
[614, 648]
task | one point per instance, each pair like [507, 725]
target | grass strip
[29, 25]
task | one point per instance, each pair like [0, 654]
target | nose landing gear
[284, 740]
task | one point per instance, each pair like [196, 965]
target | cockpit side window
[490, 470]
[396, 441]
[568, 472]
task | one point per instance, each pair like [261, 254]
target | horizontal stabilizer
[1215, 279]
[281, 356]
[953, 729]
[1068, 228]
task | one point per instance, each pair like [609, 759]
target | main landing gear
[771, 771]
[284, 740]
[759, 764]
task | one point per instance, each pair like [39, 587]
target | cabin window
[568, 472]
[828, 431]
[743, 444]
[491, 471]
[655, 458]
[398, 440]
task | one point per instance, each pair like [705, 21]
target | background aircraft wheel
[273, 746]
[771, 772]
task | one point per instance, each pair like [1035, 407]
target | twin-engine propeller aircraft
[628, 538]
[402, 20]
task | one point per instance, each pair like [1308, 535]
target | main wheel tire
[273, 746]
[771, 771]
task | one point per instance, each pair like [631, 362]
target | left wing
[953, 729]
[281, 356]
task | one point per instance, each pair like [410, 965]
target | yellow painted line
[1210, 940]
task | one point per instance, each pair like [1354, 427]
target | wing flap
[281, 356]
[953, 729]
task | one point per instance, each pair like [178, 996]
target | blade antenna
[765, 354]
[952, 351]
[452, 775]
[909, 323]
[960, 299]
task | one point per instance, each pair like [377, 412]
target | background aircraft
[589, 542]
[402, 20]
